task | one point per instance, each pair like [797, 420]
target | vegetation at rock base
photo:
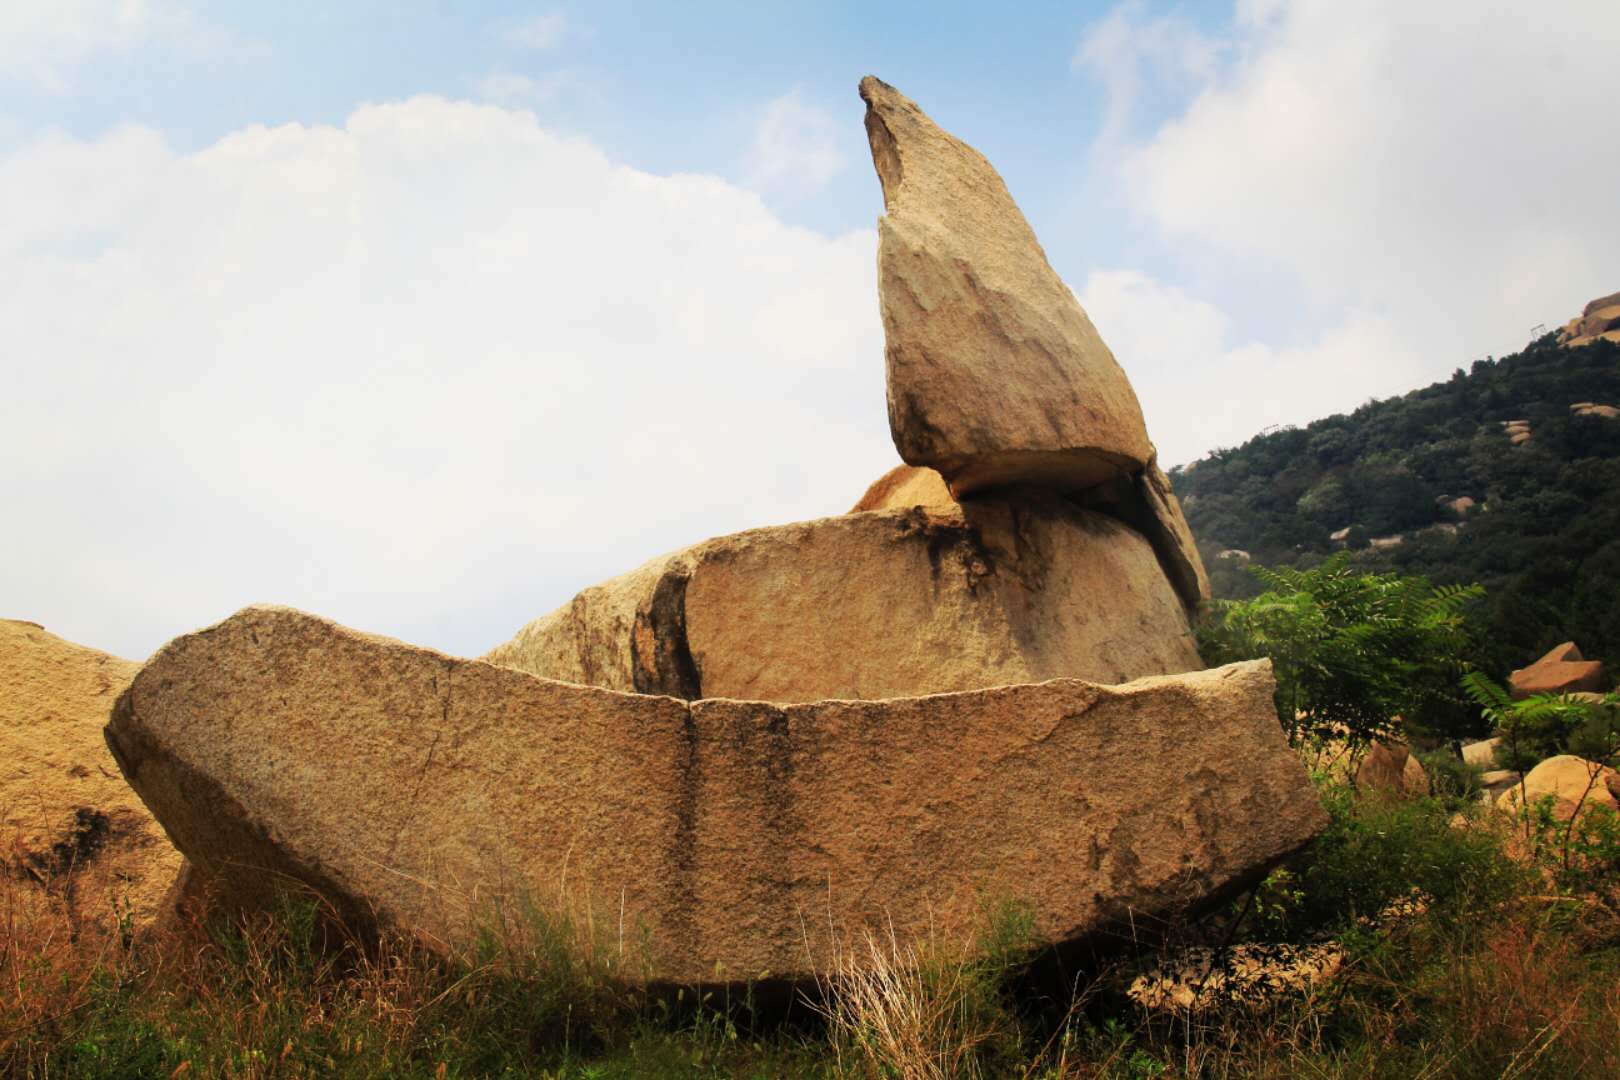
[1353, 653]
[1458, 961]
[1543, 537]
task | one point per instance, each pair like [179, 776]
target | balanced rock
[729, 839]
[1562, 670]
[995, 375]
[889, 603]
[72, 826]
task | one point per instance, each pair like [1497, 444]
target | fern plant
[1353, 653]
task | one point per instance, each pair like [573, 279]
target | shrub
[1351, 652]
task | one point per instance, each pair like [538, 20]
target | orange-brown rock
[69, 823]
[1574, 784]
[996, 376]
[1482, 753]
[889, 603]
[1599, 319]
[905, 486]
[1562, 670]
[731, 838]
[1392, 767]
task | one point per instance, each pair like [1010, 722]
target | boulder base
[890, 603]
[70, 823]
[731, 839]
[1145, 501]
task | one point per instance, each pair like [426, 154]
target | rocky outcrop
[996, 376]
[1562, 670]
[729, 838]
[879, 604]
[1599, 320]
[72, 826]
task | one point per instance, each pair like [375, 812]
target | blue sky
[426, 315]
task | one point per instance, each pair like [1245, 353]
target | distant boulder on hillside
[1563, 670]
[1598, 319]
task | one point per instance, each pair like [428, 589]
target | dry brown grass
[914, 1012]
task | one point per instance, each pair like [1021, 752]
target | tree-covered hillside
[1543, 535]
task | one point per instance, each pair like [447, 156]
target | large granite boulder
[888, 603]
[1562, 670]
[729, 838]
[995, 374]
[69, 824]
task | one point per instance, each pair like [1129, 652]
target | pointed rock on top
[995, 374]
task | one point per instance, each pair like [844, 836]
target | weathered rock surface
[905, 486]
[1392, 767]
[1145, 501]
[1482, 753]
[1575, 784]
[1494, 782]
[733, 838]
[1562, 670]
[891, 603]
[995, 374]
[71, 825]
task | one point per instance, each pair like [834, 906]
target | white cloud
[1201, 387]
[796, 148]
[541, 32]
[428, 373]
[1442, 172]
[511, 89]
[46, 42]
[1135, 56]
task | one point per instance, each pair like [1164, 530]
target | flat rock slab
[733, 839]
[888, 603]
[995, 374]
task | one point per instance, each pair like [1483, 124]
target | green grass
[1460, 963]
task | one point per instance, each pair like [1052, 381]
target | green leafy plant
[1351, 651]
